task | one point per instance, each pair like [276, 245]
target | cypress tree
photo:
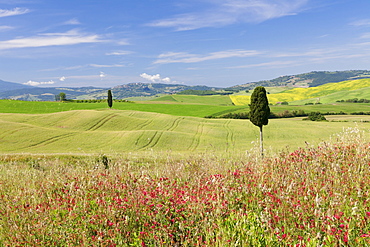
[110, 100]
[259, 110]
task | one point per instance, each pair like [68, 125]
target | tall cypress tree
[110, 100]
[259, 110]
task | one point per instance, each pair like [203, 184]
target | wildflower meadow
[313, 196]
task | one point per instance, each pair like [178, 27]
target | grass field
[175, 108]
[157, 174]
[200, 100]
[111, 131]
[313, 196]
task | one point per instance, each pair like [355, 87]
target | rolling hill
[326, 93]
[10, 86]
[311, 79]
[139, 89]
[116, 131]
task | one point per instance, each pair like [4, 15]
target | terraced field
[114, 131]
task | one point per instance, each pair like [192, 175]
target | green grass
[334, 108]
[177, 109]
[363, 93]
[195, 99]
[112, 131]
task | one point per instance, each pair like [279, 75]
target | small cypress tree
[110, 100]
[259, 110]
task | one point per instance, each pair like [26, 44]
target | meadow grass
[174, 108]
[195, 99]
[115, 131]
[312, 196]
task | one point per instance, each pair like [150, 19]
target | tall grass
[313, 196]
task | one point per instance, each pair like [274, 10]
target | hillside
[116, 131]
[138, 89]
[311, 79]
[8, 86]
[23, 92]
[327, 93]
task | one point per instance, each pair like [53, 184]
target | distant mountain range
[10, 90]
[8, 86]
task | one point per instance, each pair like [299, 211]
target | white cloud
[72, 37]
[361, 23]
[73, 21]
[365, 36]
[182, 57]
[15, 11]
[4, 28]
[155, 78]
[102, 75]
[227, 12]
[166, 80]
[35, 83]
[118, 53]
[106, 65]
[63, 78]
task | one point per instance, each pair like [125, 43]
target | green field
[114, 131]
[195, 99]
[157, 173]
[177, 109]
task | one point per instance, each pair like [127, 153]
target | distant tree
[315, 116]
[62, 96]
[110, 100]
[259, 110]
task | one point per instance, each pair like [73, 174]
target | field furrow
[13, 131]
[230, 138]
[101, 122]
[144, 124]
[175, 124]
[51, 140]
[197, 137]
[153, 141]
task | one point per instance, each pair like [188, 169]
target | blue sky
[217, 43]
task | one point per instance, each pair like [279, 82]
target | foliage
[355, 100]
[313, 196]
[62, 97]
[259, 107]
[110, 99]
[315, 116]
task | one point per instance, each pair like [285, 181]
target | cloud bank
[35, 83]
